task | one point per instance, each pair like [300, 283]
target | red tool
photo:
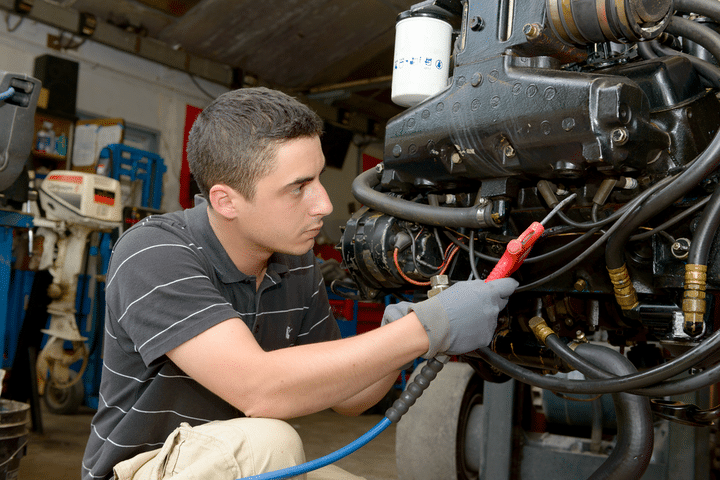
[518, 248]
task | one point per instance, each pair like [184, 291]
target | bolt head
[477, 24]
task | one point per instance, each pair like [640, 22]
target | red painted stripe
[103, 199]
[67, 178]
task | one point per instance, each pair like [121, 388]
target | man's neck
[248, 258]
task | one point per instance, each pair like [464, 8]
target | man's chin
[300, 249]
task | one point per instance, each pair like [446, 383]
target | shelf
[48, 156]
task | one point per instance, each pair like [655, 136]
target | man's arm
[350, 374]
[357, 404]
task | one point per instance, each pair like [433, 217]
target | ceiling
[337, 52]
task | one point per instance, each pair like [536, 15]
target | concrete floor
[56, 454]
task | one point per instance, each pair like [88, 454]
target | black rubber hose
[707, 377]
[709, 72]
[708, 8]
[629, 383]
[363, 190]
[667, 387]
[704, 234]
[578, 362]
[645, 51]
[706, 162]
[634, 446]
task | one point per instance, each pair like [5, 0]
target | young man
[217, 316]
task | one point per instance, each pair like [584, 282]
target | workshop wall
[115, 84]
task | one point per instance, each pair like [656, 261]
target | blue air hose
[7, 94]
[392, 415]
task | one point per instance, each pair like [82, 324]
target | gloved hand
[460, 319]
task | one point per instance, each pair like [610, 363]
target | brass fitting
[540, 329]
[625, 294]
[693, 304]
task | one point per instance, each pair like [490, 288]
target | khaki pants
[225, 450]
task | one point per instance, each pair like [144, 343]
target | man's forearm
[299, 380]
[350, 374]
[360, 402]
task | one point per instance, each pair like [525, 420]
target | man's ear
[222, 199]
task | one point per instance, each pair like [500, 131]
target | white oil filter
[422, 57]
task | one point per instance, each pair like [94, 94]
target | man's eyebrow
[303, 180]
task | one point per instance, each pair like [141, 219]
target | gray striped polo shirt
[169, 279]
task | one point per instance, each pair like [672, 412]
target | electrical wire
[471, 252]
[442, 270]
[672, 221]
[199, 87]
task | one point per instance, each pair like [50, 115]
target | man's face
[286, 213]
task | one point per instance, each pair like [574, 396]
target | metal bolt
[438, 283]
[509, 151]
[477, 79]
[620, 136]
[455, 158]
[397, 150]
[477, 24]
[580, 285]
[681, 248]
[532, 31]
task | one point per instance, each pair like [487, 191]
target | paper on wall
[90, 139]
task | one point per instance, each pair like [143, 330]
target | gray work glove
[460, 319]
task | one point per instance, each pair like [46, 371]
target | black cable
[471, 251]
[350, 296]
[582, 256]
[413, 249]
[569, 246]
[562, 216]
[439, 243]
[466, 249]
[672, 221]
[199, 87]
[620, 211]
[704, 235]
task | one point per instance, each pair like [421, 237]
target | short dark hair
[234, 139]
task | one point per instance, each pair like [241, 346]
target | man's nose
[322, 205]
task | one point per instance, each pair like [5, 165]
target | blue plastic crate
[140, 165]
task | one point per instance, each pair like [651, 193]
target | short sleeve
[159, 291]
